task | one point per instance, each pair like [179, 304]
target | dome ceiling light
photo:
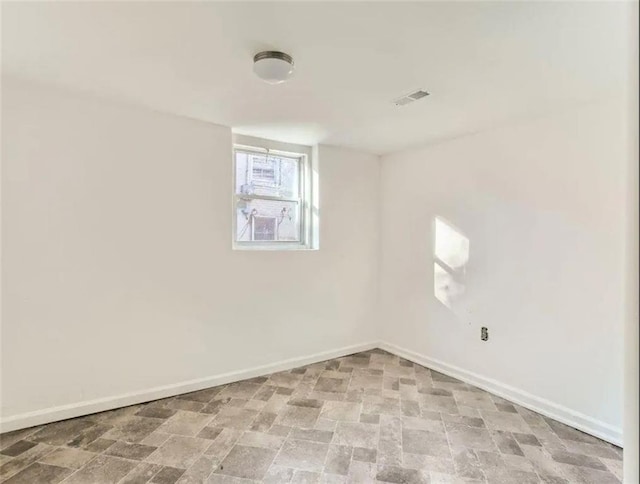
[272, 66]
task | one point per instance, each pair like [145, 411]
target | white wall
[118, 274]
[631, 393]
[543, 204]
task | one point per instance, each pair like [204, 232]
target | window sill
[273, 247]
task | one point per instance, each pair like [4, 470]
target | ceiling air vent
[409, 98]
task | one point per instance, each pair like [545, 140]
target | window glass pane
[241, 171]
[261, 174]
[267, 220]
[289, 177]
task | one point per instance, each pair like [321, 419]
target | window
[272, 202]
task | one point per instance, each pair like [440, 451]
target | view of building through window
[268, 197]
[264, 228]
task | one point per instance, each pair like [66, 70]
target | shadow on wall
[450, 258]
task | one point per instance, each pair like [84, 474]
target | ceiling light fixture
[272, 66]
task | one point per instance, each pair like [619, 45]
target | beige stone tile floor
[365, 418]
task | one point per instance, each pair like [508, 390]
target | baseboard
[545, 407]
[79, 409]
[542, 406]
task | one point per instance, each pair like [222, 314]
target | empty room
[319, 242]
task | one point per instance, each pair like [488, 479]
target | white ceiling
[484, 63]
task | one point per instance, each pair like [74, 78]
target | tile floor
[368, 417]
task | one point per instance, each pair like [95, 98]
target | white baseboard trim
[53, 414]
[545, 407]
[542, 406]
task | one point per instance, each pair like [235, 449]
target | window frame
[304, 200]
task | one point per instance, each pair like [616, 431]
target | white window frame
[305, 200]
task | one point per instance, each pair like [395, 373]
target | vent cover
[409, 98]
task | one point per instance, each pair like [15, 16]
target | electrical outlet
[484, 333]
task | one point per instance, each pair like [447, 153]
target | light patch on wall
[451, 255]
